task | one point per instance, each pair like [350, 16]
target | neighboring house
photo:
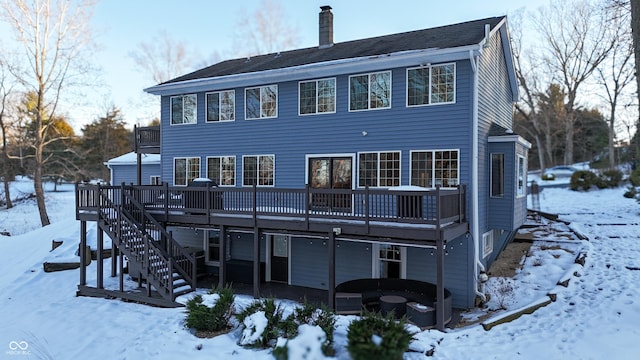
[124, 169]
[426, 114]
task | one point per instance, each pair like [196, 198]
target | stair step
[181, 291]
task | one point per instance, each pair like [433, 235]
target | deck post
[331, 247]
[83, 253]
[256, 262]
[440, 284]
[99, 265]
[121, 266]
[222, 268]
[114, 259]
[139, 169]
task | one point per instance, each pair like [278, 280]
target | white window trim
[375, 263]
[206, 106]
[357, 184]
[353, 157]
[186, 173]
[258, 156]
[487, 243]
[261, 89]
[369, 91]
[195, 114]
[335, 96]
[235, 177]
[433, 169]
[521, 191]
[455, 80]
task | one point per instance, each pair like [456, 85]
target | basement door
[280, 258]
[331, 173]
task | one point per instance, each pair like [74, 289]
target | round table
[395, 303]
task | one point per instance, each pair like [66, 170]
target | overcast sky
[208, 26]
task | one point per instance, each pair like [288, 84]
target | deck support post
[139, 169]
[331, 246]
[121, 266]
[222, 268]
[440, 284]
[99, 265]
[256, 262]
[83, 253]
[114, 260]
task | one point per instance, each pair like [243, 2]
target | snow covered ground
[597, 316]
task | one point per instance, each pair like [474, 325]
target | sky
[208, 26]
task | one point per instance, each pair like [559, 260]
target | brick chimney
[326, 27]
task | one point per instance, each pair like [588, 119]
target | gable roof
[450, 42]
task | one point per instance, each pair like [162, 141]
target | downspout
[475, 227]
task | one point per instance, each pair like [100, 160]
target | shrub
[309, 314]
[272, 314]
[610, 179]
[548, 176]
[376, 337]
[212, 312]
[583, 179]
[308, 345]
[631, 192]
[635, 177]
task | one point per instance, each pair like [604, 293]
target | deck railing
[147, 139]
[436, 207]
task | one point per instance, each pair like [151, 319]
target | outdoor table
[393, 303]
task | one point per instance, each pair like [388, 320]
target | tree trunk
[635, 30]
[40, 131]
[568, 139]
[543, 163]
[612, 150]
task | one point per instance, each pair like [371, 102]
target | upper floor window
[222, 170]
[261, 102]
[221, 106]
[184, 109]
[317, 96]
[370, 91]
[379, 169]
[258, 170]
[438, 167]
[185, 169]
[431, 85]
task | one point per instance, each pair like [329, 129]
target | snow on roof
[132, 159]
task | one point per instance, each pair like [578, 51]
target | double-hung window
[497, 175]
[258, 170]
[261, 102]
[317, 96]
[185, 169]
[370, 91]
[222, 170]
[431, 85]
[435, 167]
[221, 106]
[379, 169]
[184, 109]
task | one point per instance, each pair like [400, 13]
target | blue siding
[309, 263]
[128, 174]
[501, 208]
[290, 136]
[353, 261]
[241, 246]
[458, 264]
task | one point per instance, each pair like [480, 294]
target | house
[124, 169]
[386, 157]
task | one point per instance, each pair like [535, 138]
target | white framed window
[221, 106]
[487, 243]
[379, 169]
[155, 180]
[521, 177]
[222, 170]
[435, 167]
[427, 85]
[184, 109]
[497, 175]
[389, 261]
[185, 169]
[261, 102]
[258, 170]
[317, 96]
[370, 91]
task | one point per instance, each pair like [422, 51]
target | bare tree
[264, 31]
[163, 58]
[5, 91]
[617, 71]
[575, 42]
[53, 36]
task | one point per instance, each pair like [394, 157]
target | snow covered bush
[211, 312]
[309, 314]
[261, 330]
[376, 337]
[308, 344]
[583, 180]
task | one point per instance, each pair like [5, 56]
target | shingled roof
[450, 36]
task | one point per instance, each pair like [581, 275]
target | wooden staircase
[154, 256]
